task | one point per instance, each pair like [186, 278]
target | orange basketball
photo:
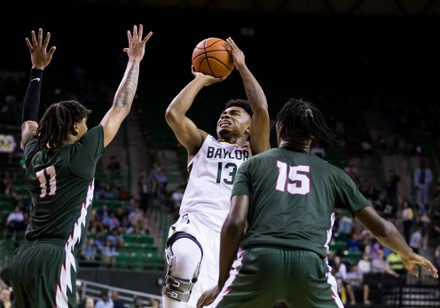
[211, 57]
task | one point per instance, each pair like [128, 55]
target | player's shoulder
[211, 138]
[94, 132]
[31, 147]
[209, 141]
[267, 155]
[31, 142]
[322, 161]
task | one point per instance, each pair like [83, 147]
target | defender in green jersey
[60, 156]
[281, 216]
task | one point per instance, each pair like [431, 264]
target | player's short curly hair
[239, 103]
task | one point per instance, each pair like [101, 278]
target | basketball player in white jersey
[243, 130]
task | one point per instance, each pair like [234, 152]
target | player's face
[233, 119]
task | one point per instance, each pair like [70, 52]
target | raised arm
[260, 123]
[183, 127]
[40, 59]
[126, 92]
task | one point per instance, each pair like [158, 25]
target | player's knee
[184, 256]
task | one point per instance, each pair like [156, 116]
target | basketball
[211, 57]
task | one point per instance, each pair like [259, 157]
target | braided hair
[240, 103]
[58, 120]
[305, 119]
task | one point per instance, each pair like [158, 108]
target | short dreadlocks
[305, 119]
[58, 120]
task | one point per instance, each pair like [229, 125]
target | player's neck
[233, 139]
[295, 145]
[70, 139]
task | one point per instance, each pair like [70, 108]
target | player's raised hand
[136, 44]
[40, 57]
[237, 54]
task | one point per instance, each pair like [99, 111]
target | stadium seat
[123, 259]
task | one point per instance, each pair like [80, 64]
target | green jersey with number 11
[61, 184]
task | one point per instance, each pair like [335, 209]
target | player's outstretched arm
[40, 58]
[388, 235]
[126, 91]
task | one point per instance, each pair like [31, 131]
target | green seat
[21, 189]
[139, 260]
[123, 259]
[113, 204]
[338, 245]
[138, 247]
[7, 248]
[139, 239]
[154, 260]
[352, 256]
[5, 203]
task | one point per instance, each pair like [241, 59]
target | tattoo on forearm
[128, 88]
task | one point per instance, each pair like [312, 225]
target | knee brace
[175, 287]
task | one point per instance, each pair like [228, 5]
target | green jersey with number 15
[293, 196]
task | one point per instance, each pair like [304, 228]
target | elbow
[235, 226]
[385, 230]
[171, 116]
[233, 230]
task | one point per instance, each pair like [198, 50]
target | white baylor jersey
[211, 175]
